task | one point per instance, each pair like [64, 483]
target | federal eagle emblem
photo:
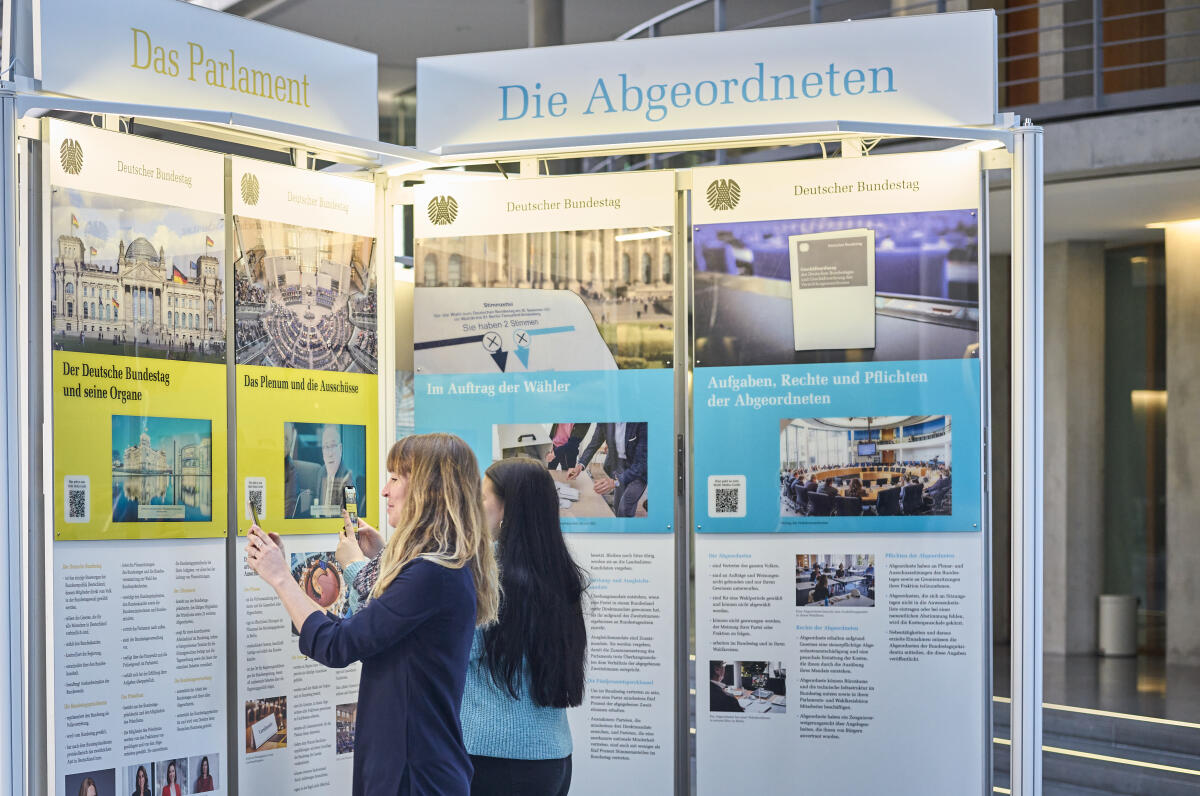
[442, 210]
[723, 194]
[70, 155]
[249, 189]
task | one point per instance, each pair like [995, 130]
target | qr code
[77, 504]
[727, 501]
[727, 496]
[256, 498]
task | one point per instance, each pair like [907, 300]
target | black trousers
[501, 776]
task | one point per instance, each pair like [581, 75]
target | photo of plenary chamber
[747, 687]
[599, 469]
[345, 720]
[835, 581]
[161, 469]
[754, 304]
[865, 466]
[320, 460]
[136, 278]
[266, 724]
[304, 298]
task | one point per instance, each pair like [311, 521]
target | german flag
[116, 306]
[208, 241]
[74, 221]
[177, 276]
[92, 249]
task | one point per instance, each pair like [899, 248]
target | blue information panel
[544, 330]
[838, 414]
[789, 429]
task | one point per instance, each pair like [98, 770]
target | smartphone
[254, 512]
[350, 503]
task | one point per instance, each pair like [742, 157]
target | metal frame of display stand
[24, 427]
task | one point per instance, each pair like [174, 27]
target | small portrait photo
[205, 776]
[138, 779]
[835, 581]
[747, 687]
[865, 466]
[324, 464]
[161, 469]
[599, 468]
[320, 577]
[345, 717]
[266, 724]
[92, 783]
[171, 777]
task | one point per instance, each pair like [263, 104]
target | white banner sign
[180, 55]
[306, 198]
[602, 201]
[934, 69]
[87, 159]
[910, 183]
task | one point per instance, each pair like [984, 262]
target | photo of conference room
[865, 466]
[599, 469]
[835, 581]
[747, 687]
[926, 289]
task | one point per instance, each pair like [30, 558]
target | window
[454, 272]
[429, 271]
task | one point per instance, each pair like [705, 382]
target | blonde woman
[437, 582]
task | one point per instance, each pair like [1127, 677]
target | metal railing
[1057, 58]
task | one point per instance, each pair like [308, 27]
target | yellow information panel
[150, 434]
[303, 436]
[305, 331]
[136, 280]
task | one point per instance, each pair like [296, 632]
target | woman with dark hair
[526, 669]
[821, 592]
[171, 788]
[88, 787]
[435, 582]
[204, 780]
[141, 782]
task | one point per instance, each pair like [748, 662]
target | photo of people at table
[747, 687]
[865, 466]
[600, 469]
[835, 581]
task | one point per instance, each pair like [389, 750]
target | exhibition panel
[135, 245]
[542, 301]
[305, 298]
[838, 451]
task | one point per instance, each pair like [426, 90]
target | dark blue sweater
[414, 641]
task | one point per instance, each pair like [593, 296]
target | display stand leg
[1027, 481]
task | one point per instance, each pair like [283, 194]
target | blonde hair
[442, 517]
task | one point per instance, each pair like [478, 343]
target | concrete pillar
[1074, 445]
[1183, 443]
[545, 23]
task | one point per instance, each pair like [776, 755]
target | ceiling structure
[399, 33]
[1114, 208]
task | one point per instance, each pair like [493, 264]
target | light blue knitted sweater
[496, 725]
[493, 723]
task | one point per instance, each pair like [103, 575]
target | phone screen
[350, 503]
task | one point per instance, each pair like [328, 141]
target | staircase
[1093, 753]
